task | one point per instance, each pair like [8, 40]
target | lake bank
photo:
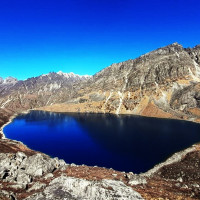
[124, 142]
[158, 182]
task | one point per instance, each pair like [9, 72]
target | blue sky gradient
[83, 36]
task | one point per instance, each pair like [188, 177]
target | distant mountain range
[162, 83]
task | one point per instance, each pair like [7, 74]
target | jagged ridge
[162, 83]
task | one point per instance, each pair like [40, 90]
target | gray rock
[73, 188]
[49, 175]
[20, 169]
[6, 195]
[40, 164]
[97, 97]
[37, 186]
[22, 178]
[135, 179]
[18, 186]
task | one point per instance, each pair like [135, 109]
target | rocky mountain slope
[17, 96]
[162, 83]
[43, 90]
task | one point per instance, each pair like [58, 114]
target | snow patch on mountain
[72, 75]
[8, 80]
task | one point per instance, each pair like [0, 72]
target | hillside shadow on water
[125, 142]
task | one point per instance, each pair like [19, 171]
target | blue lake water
[125, 143]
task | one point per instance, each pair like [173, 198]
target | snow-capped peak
[8, 80]
[1, 80]
[72, 75]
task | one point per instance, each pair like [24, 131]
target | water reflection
[125, 142]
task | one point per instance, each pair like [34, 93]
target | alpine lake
[125, 142]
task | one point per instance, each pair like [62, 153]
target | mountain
[8, 81]
[74, 77]
[1, 80]
[17, 96]
[162, 83]
[38, 91]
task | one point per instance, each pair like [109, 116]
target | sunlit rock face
[162, 83]
[194, 53]
[72, 188]
[39, 176]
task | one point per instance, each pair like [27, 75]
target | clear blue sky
[84, 36]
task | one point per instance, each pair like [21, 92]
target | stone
[73, 188]
[49, 175]
[135, 179]
[18, 186]
[23, 178]
[37, 186]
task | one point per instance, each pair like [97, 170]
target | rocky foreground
[30, 175]
[163, 83]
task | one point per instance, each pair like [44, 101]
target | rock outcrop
[31, 175]
[41, 177]
[71, 188]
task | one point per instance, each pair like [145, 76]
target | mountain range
[162, 83]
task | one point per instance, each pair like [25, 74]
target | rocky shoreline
[27, 174]
[2, 135]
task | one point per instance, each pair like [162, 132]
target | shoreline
[11, 118]
[151, 184]
[122, 114]
[9, 121]
[175, 157]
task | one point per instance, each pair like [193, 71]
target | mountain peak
[64, 74]
[9, 80]
[1, 80]
[176, 44]
[72, 75]
[197, 46]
